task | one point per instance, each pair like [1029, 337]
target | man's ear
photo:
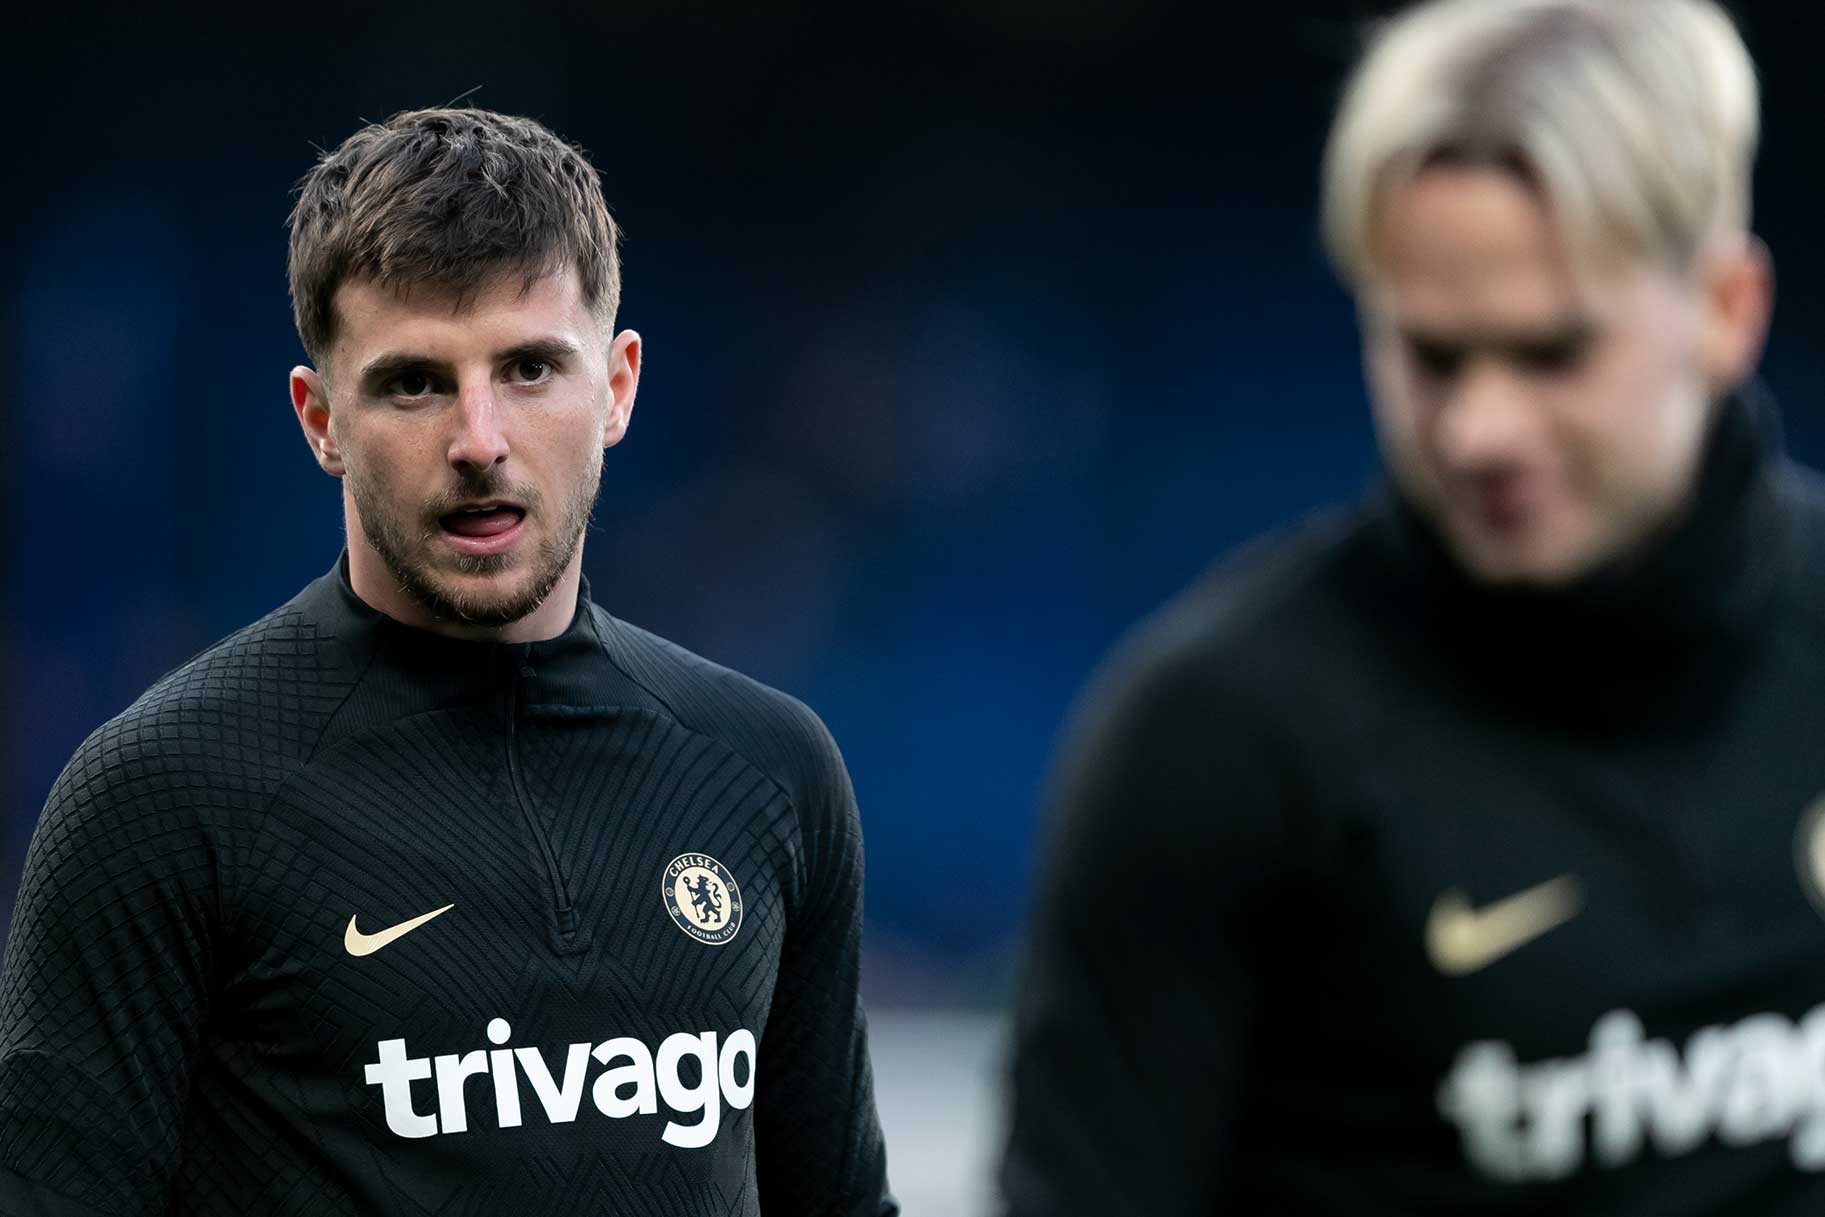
[623, 380]
[310, 402]
[1739, 299]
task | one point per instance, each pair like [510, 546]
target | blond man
[1457, 853]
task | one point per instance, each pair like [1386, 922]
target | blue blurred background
[973, 331]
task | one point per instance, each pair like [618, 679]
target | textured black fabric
[1231, 1003]
[183, 1030]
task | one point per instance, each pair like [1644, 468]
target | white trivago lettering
[1752, 1081]
[635, 1080]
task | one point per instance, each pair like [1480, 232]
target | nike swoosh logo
[1809, 850]
[1461, 939]
[357, 943]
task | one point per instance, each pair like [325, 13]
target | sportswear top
[1375, 890]
[343, 916]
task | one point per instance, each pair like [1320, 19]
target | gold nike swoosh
[1461, 939]
[357, 943]
[1809, 849]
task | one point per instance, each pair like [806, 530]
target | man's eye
[531, 369]
[1435, 358]
[1547, 358]
[410, 384]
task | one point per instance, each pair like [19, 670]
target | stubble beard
[414, 555]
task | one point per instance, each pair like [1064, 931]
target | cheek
[385, 462]
[1400, 412]
[576, 440]
[1640, 386]
[1636, 424]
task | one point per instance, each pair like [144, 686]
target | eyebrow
[551, 349]
[1571, 332]
[398, 363]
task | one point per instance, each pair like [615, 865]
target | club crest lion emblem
[702, 898]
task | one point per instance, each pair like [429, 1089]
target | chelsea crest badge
[702, 898]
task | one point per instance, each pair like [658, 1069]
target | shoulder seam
[672, 713]
[595, 629]
[799, 819]
[300, 765]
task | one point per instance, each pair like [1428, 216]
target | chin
[1525, 562]
[485, 567]
[506, 600]
[482, 599]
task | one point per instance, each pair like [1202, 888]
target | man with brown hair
[439, 888]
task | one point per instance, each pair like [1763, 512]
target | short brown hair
[449, 198]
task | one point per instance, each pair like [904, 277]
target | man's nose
[1486, 419]
[479, 442]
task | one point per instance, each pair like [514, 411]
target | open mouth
[482, 521]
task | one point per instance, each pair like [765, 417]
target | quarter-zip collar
[415, 669]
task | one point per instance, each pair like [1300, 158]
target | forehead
[438, 322]
[1474, 245]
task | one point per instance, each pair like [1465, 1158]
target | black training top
[347, 917]
[1372, 890]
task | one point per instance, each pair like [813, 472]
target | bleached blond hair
[1636, 120]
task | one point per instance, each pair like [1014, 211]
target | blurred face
[469, 437]
[1543, 421]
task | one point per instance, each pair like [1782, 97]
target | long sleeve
[1141, 984]
[105, 988]
[817, 1134]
